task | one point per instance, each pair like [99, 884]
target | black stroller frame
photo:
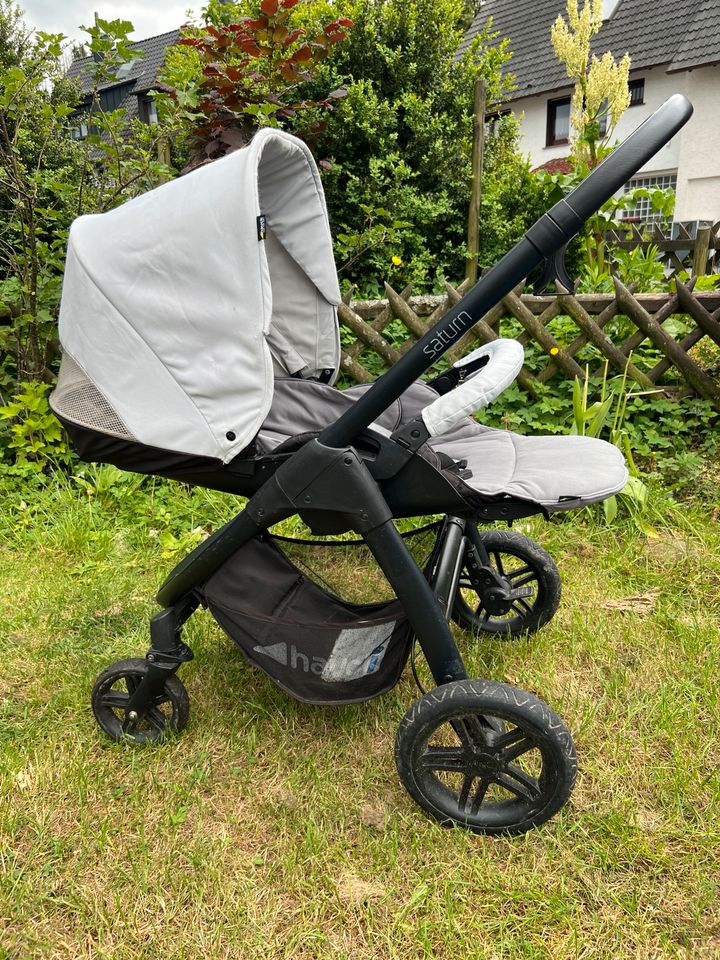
[342, 479]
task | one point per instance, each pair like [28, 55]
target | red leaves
[302, 55]
[292, 37]
[247, 24]
[251, 71]
[248, 45]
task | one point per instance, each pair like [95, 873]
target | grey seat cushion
[560, 473]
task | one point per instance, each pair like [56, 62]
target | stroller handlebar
[570, 213]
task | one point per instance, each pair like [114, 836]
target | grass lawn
[270, 829]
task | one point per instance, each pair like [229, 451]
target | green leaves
[31, 431]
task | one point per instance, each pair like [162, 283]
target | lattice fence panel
[561, 334]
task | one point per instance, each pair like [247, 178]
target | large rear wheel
[485, 756]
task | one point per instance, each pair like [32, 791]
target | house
[674, 46]
[129, 89]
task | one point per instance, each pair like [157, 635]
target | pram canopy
[180, 306]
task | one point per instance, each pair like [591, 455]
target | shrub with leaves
[401, 141]
[251, 74]
[398, 141]
[601, 95]
[30, 432]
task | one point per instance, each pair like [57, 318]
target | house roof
[701, 44]
[143, 71]
[680, 34]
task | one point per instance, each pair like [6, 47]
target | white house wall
[698, 193]
[694, 152]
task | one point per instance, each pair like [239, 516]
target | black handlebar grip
[564, 220]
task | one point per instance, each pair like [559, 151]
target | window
[558, 121]
[148, 110]
[642, 212]
[609, 8]
[492, 121]
[637, 92]
[80, 131]
[124, 69]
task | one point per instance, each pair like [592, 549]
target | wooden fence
[697, 254]
[561, 333]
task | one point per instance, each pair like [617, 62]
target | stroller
[200, 342]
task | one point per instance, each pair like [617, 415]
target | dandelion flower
[397, 261]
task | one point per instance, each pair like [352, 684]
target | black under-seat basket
[318, 647]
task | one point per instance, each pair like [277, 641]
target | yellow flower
[554, 351]
[397, 261]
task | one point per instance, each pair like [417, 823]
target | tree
[400, 142]
[394, 133]
[601, 93]
[249, 73]
[47, 178]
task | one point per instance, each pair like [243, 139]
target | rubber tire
[174, 690]
[549, 588]
[512, 705]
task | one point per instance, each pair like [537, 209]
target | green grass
[270, 829]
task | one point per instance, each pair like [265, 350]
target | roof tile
[680, 33]
[144, 69]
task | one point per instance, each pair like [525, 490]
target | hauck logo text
[292, 657]
[337, 667]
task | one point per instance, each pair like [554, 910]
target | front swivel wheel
[111, 695]
[485, 756]
[508, 585]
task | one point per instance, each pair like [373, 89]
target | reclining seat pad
[558, 472]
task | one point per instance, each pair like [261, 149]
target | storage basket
[317, 646]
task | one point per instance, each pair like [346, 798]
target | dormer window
[609, 8]
[148, 110]
[79, 131]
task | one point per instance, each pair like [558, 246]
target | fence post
[701, 252]
[473, 234]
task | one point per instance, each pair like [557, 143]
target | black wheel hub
[497, 598]
[481, 763]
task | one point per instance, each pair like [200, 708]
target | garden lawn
[271, 829]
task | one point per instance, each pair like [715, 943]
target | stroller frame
[334, 480]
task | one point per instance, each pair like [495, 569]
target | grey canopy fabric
[560, 473]
[180, 306]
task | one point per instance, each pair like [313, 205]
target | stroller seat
[558, 472]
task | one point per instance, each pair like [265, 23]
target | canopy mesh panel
[78, 399]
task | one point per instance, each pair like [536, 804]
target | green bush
[400, 143]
